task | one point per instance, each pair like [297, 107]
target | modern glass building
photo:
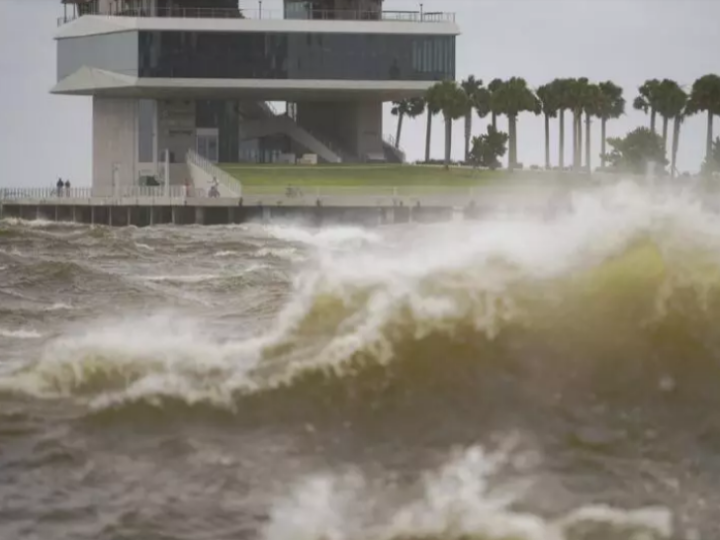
[177, 75]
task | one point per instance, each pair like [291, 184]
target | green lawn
[280, 176]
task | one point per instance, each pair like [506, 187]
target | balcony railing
[323, 15]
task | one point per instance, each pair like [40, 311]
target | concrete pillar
[74, 214]
[152, 215]
[199, 215]
[174, 215]
[129, 216]
[92, 214]
[110, 216]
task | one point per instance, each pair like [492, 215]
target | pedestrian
[67, 188]
[60, 185]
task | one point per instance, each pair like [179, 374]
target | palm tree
[612, 106]
[561, 89]
[471, 86]
[407, 107]
[513, 98]
[399, 109]
[482, 101]
[647, 100]
[705, 96]
[494, 86]
[550, 104]
[453, 103]
[677, 121]
[671, 102]
[432, 109]
[592, 101]
[575, 101]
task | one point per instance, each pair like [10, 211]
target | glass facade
[258, 55]
[116, 52]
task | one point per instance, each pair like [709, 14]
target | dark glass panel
[259, 55]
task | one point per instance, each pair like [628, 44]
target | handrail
[232, 184]
[232, 13]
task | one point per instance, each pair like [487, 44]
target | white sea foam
[197, 278]
[20, 333]
[39, 223]
[459, 500]
[324, 238]
[58, 306]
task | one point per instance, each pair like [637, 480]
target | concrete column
[92, 214]
[152, 215]
[199, 215]
[74, 214]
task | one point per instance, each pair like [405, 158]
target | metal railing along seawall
[109, 194]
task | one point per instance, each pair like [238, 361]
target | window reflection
[260, 55]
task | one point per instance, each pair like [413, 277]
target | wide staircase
[281, 124]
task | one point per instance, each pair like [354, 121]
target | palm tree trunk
[579, 141]
[561, 150]
[652, 120]
[665, 132]
[588, 146]
[399, 130]
[468, 134]
[547, 142]
[428, 136]
[494, 120]
[448, 141]
[512, 155]
[709, 141]
[675, 146]
[603, 124]
[575, 140]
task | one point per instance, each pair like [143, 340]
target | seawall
[153, 214]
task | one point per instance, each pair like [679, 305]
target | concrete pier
[148, 215]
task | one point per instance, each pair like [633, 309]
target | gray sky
[627, 41]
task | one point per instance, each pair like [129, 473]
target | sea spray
[463, 498]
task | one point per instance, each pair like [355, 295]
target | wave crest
[624, 289]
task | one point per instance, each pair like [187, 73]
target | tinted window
[296, 56]
[112, 52]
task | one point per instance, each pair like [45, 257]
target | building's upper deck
[306, 13]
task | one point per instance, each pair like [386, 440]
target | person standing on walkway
[67, 188]
[60, 185]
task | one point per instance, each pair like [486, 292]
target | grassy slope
[357, 175]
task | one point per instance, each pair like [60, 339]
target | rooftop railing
[323, 15]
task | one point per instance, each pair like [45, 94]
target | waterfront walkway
[367, 206]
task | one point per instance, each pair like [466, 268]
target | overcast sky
[43, 136]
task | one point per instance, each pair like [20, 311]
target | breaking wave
[620, 297]
[459, 500]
